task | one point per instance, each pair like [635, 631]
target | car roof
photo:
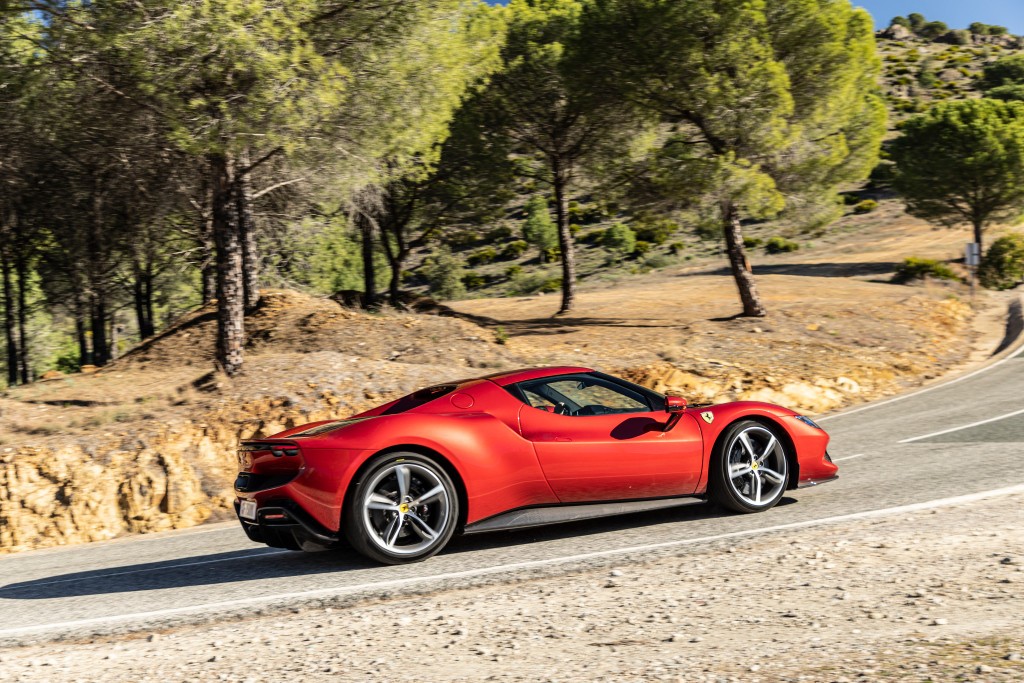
[513, 377]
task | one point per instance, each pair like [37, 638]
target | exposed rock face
[173, 478]
[896, 32]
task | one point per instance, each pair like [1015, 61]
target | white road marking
[142, 571]
[496, 569]
[925, 390]
[963, 427]
[849, 457]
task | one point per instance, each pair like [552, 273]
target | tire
[749, 468]
[404, 508]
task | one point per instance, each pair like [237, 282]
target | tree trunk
[25, 367]
[84, 355]
[247, 236]
[114, 335]
[979, 228]
[98, 324]
[142, 290]
[230, 288]
[369, 269]
[208, 248]
[9, 322]
[397, 254]
[565, 241]
[741, 271]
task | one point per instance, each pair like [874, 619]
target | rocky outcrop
[174, 477]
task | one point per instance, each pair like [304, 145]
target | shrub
[513, 271]
[1003, 264]
[676, 248]
[500, 234]
[659, 261]
[620, 239]
[641, 247]
[514, 250]
[914, 268]
[752, 242]
[482, 257]
[866, 206]
[443, 272]
[473, 280]
[656, 232]
[539, 230]
[780, 245]
[463, 239]
[535, 282]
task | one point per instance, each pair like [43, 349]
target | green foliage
[500, 336]
[473, 280]
[866, 206]
[620, 239]
[963, 162]
[780, 245]
[659, 261]
[900, 21]
[914, 268]
[538, 229]
[531, 283]
[1006, 71]
[933, 29]
[677, 248]
[463, 239]
[641, 247]
[443, 272]
[1003, 264]
[501, 233]
[482, 257]
[959, 37]
[916, 21]
[514, 250]
[513, 271]
[655, 231]
[752, 242]
[1007, 93]
[980, 29]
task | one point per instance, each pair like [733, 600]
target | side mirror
[674, 406]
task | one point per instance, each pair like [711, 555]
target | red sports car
[515, 449]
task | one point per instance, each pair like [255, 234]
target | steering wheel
[562, 409]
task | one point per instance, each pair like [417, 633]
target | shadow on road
[817, 269]
[260, 564]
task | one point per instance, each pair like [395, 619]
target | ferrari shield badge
[708, 416]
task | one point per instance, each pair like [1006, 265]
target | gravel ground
[927, 596]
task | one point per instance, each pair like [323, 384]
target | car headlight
[808, 421]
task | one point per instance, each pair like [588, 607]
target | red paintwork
[507, 455]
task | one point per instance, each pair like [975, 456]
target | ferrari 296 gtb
[515, 449]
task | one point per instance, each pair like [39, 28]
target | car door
[598, 441]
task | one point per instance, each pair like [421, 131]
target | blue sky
[956, 13]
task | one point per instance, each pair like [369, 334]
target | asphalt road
[959, 438]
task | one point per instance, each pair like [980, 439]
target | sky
[956, 13]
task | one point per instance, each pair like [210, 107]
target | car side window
[582, 395]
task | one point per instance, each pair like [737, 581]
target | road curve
[960, 438]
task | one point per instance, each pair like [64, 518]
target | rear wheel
[749, 469]
[404, 508]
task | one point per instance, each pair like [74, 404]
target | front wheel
[749, 469]
[404, 508]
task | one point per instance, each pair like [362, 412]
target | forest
[157, 156]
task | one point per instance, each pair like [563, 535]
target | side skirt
[555, 514]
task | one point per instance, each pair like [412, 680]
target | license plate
[248, 510]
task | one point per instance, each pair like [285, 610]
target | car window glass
[582, 395]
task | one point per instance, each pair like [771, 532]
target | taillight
[278, 451]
